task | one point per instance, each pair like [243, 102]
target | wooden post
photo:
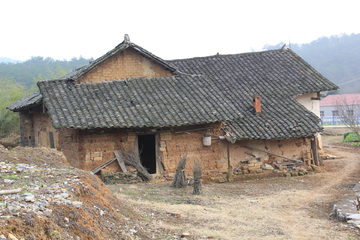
[229, 175]
[228, 154]
[159, 166]
[315, 151]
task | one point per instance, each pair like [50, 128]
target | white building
[333, 108]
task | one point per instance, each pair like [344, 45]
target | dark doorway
[147, 152]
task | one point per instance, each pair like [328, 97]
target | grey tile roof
[135, 103]
[282, 118]
[26, 102]
[282, 71]
[277, 76]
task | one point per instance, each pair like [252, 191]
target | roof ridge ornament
[126, 38]
[283, 48]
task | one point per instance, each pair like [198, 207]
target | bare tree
[349, 111]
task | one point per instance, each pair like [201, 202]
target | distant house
[334, 108]
[265, 103]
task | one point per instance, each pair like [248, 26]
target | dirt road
[277, 208]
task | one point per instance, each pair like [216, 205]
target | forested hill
[336, 58]
[39, 68]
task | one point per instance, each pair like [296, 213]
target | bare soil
[335, 130]
[272, 208]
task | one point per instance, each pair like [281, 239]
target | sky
[169, 29]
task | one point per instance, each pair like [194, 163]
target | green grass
[326, 125]
[12, 176]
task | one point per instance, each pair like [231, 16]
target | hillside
[39, 68]
[337, 58]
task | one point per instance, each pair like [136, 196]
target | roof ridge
[121, 47]
[226, 55]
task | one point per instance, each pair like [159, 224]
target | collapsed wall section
[290, 148]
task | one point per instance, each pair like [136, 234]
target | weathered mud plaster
[123, 65]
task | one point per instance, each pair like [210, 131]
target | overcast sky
[169, 29]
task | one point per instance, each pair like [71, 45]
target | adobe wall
[126, 64]
[68, 143]
[98, 146]
[174, 144]
[42, 128]
[27, 137]
[290, 148]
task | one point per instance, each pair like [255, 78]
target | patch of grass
[132, 193]
[160, 198]
[12, 176]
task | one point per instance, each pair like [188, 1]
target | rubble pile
[253, 166]
[256, 167]
[39, 188]
[120, 177]
[49, 201]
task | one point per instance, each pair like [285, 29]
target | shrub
[351, 137]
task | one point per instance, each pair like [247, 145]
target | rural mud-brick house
[130, 98]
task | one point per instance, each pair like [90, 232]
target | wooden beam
[120, 161]
[193, 130]
[95, 170]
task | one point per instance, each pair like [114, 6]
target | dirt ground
[273, 208]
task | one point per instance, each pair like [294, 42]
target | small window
[322, 113]
[335, 113]
[350, 112]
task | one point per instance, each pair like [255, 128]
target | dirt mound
[55, 201]
[37, 156]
